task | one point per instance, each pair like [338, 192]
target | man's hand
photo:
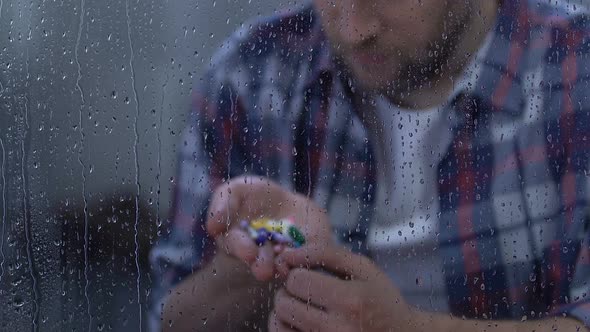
[358, 296]
[252, 197]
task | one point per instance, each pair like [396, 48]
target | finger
[312, 220]
[263, 266]
[299, 315]
[338, 260]
[318, 288]
[281, 267]
[224, 206]
[245, 197]
[278, 248]
[239, 244]
[275, 325]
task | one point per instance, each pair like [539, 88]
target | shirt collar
[320, 52]
[499, 66]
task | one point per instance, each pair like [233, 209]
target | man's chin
[372, 82]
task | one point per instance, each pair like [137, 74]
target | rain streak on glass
[4, 206]
[81, 162]
[136, 160]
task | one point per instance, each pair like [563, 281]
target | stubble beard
[424, 68]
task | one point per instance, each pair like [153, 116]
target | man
[433, 152]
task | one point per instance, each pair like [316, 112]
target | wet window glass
[294, 165]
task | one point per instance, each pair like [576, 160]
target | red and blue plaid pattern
[514, 237]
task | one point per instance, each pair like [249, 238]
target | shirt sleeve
[567, 260]
[182, 248]
[205, 149]
[209, 153]
[579, 291]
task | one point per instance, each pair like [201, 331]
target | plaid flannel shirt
[513, 185]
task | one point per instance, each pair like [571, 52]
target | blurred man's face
[393, 45]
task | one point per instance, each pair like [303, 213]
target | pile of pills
[281, 231]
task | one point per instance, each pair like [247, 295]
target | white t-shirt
[402, 238]
[409, 144]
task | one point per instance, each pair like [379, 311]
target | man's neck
[436, 91]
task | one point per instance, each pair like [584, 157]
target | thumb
[224, 206]
[242, 197]
[335, 259]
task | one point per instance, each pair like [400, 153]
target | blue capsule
[262, 236]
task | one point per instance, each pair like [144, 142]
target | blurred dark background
[93, 95]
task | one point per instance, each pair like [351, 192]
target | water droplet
[18, 302]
